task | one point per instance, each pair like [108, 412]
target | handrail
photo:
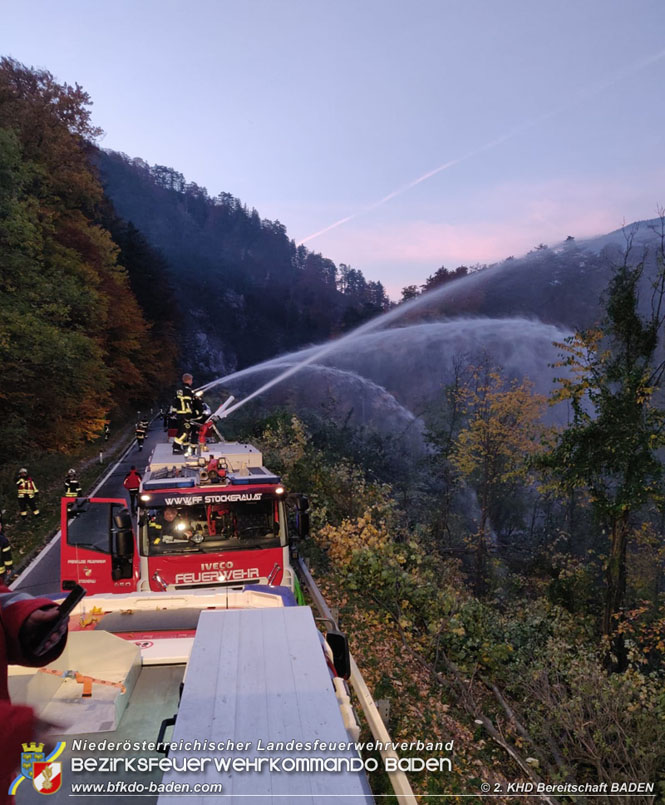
[398, 779]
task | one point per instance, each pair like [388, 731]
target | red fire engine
[217, 519]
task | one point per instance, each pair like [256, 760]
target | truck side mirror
[339, 646]
[122, 520]
[122, 546]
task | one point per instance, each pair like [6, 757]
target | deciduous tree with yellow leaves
[504, 429]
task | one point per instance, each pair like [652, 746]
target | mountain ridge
[247, 291]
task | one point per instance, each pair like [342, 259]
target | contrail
[423, 178]
[579, 95]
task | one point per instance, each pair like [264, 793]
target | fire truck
[191, 623]
[193, 596]
[214, 519]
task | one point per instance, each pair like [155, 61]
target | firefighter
[26, 490]
[72, 485]
[132, 483]
[200, 412]
[169, 526]
[140, 431]
[107, 431]
[182, 408]
[6, 561]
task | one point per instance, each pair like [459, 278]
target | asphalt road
[42, 577]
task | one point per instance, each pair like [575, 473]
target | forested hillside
[248, 293]
[75, 340]
[103, 292]
[562, 285]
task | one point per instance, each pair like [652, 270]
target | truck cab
[218, 519]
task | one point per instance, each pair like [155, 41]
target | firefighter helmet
[71, 472]
[23, 471]
[187, 378]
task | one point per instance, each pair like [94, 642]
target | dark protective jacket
[72, 487]
[182, 403]
[198, 408]
[6, 560]
[162, 530]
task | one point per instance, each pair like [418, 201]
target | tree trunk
[616, 659]
[481, 554]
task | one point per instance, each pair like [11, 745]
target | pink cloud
[513, 218]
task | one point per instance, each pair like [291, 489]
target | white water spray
[344, 396]
[331, 346]
[522, 346]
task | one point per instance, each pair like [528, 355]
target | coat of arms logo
[45, 772]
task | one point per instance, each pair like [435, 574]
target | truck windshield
[211, 528]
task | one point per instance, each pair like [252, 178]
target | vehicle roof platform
[237, 456]
[256, 677]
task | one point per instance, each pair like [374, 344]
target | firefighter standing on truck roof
[72, 485]
[182, 408]
[200, 412]
[26, 491]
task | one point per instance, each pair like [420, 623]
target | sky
[394, 136]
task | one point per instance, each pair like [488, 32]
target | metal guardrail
[398, 779]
